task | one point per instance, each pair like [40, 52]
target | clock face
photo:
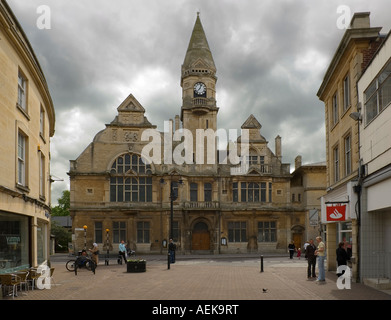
[200, 88]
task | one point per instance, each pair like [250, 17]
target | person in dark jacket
[291, 248]
[342, 257]
[311, 258]
[171, 249]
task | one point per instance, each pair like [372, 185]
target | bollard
[261, 263]
[168, 261]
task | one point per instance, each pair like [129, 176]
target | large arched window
[130, 180]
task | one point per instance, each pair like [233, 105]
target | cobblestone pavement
[199, 278]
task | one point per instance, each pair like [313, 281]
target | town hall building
[254, 205]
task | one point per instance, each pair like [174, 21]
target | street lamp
[173, 197]
[85, 237]
[107, 247]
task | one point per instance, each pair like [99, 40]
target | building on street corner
[26, 126]
[341, 210]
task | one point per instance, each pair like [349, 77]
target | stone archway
[200, 236]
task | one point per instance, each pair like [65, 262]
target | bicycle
[73, 264]
[84, 262]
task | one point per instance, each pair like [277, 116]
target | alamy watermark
[44, 280]
[200, 149]
[344, 281]
[44, 20]
[343, 20]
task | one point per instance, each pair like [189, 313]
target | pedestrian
[321, 253]
[305, 247]
[342, 257]
[122, 250]
[299, 253]
[291, 248]
[171, 250]
[95, 253]
[311, 259]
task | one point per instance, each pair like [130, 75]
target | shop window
[14, 242]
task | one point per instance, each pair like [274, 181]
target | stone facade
[26, 125]
[338, 91]
[217, 207]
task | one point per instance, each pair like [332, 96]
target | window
[15, 236]
[335, 114]
[263, 191]
[193, 192]
[237, 231]
[130, 180]
[99, 232]
[348, 155]
[119, 231]
[143, 232]
[346, 93]
[207, 192]
[252, 159]
[235, 192]
[175, 231]
[42, 123]
[22, 139]
[267, 231]
[22, 91]
[251, 192]
[336, 164]
[378, 94]
[42, 175]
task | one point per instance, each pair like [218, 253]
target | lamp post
[85, 237]
[173, 197]
[107, 247]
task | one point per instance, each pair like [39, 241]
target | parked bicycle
[82, 261]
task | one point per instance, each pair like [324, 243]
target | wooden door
[201, 240]
[297, 239]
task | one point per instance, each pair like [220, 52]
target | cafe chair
[10, 281]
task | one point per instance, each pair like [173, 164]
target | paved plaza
[236, 277]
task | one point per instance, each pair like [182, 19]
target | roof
[198, 48]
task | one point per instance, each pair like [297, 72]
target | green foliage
[62, 236]
[62, 209]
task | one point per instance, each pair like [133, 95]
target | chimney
[278, 147]
[360, 20]
[297, 162]
[176, 122]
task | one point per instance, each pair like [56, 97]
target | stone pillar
[331, 247]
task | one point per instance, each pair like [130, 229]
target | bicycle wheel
[90, 265]
[70, 265]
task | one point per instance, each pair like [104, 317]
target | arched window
[130, 180]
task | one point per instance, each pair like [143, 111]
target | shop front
[339, 218]
[23, 242]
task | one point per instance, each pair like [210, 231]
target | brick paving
[195, 278]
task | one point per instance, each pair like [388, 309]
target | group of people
[313, 253]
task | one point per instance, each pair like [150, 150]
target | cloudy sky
[271, 56]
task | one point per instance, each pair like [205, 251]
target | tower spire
[198, 51]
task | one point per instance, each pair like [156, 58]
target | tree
[62, 209]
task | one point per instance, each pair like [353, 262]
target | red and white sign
[336, 213]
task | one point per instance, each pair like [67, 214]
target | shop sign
[336, 213]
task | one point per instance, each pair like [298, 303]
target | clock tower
[198, 82]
